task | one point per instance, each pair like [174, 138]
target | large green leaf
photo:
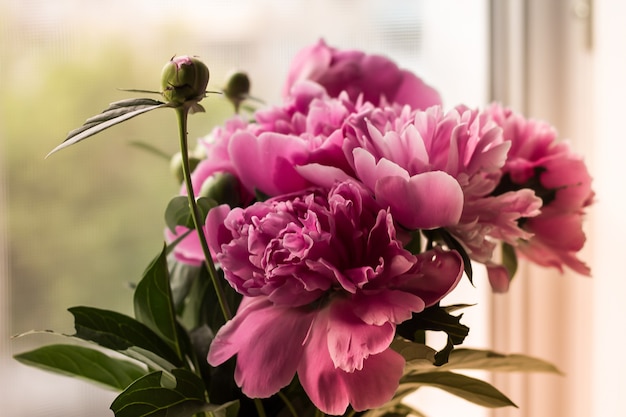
[121, 333]
[420, 358]
[157, 395]
[491, 361]
[85, 363]
[397, 409]
[154, 306]
[468, 388]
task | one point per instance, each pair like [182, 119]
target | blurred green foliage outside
[84, 223]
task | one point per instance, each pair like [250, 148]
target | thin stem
[259, 407]
[181, 114]
[290, 406]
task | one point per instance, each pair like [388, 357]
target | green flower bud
[223, 188]
[184, 79]
[176, 165]
[237, 89]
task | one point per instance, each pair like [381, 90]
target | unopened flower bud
[223, 188]
[176, 165]
[183, 79]
[237, 88]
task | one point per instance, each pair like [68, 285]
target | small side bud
[223, 188]
[184, 79]
[237, 89]
[176, 165]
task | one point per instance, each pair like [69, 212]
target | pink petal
[317, 373]
[187, 250]
[267, 163]
[267, 354]
[498, 278]
[376, 383]
[439, 273]
[416, 93]
[322, 175]
[350, 340]
[332, 389]
[310, 63]
[560, 231]
[426, 201]
[369, 171]
[386, 306]
[217, 234]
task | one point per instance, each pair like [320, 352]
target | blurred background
[78, 227]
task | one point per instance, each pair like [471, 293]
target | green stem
[181, 114]
[288, 404]
[259, 407]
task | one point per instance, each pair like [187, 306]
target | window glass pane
[77, 228]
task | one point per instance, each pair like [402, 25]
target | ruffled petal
[267, 353]
[350, 340]
[379, 307]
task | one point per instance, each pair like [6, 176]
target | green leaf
[509, 259]
[471, 389]
[420, 358]
[442, 356]
[122, 333]
[178, 212]
[415, 352]
[116, 113]
[491, 361]
[229, 409]
[156, 395]
[456, 307]
[182, 278]
[435, 318]
[153, 303]
[395, 409]
[152, 149]
[85, 363]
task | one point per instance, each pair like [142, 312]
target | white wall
[609, 221]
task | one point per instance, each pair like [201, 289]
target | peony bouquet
[312, 242]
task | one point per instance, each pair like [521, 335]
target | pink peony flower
[434, 169]
[325, 281]
[560, 178]
[372, 76]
